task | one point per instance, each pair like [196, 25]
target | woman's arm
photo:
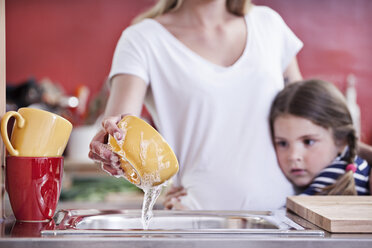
[126, 97]
[292, 73]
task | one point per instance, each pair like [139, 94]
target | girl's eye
[281, 143]
[309, 142]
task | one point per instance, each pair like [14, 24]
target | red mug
[34, 186]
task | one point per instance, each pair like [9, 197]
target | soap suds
[124, 127]
[148, 179]
[144, 145]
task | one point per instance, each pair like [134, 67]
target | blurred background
[58, 55]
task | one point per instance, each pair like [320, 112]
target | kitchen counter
[14, 234]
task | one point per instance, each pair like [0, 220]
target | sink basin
[121, 222]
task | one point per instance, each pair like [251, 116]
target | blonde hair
[236, 7]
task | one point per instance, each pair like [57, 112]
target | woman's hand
[126, 96]
[99, 149]
[172, 199]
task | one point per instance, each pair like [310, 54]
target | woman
[207, 72]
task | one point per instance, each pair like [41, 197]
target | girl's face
[303, 148]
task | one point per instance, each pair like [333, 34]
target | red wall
[72, 41]
[337, 36]
[69, 41]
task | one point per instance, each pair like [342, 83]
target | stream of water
[149, 199]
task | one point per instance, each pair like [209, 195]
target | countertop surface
[16, 234]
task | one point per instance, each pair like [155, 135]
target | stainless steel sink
[128, 222]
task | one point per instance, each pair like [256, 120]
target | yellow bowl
[145, 156]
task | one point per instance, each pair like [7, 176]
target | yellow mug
[145, 156]
[36, 133]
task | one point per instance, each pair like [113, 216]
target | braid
[345, 184]
[347, 134]
[352, 143]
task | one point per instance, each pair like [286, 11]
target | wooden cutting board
[336, 214]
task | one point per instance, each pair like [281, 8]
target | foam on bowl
[146, 157]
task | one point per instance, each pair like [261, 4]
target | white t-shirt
[215, 118]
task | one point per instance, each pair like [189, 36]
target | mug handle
[20, 121]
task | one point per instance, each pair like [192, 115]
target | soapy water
[151, 193]
[124, 127]
[149, 199]
[144, 145]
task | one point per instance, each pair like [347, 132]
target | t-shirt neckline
[201, 58]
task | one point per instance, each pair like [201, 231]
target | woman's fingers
[99, 149]
[100, 152]
[179, 206]
[172, 198]
[98, 158]
[174, 189]
[110, 167]
[114, 171]
[169, 204]
[175, 204]
[110, 125]
[176, 192]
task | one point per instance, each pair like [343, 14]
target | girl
[315, 140]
